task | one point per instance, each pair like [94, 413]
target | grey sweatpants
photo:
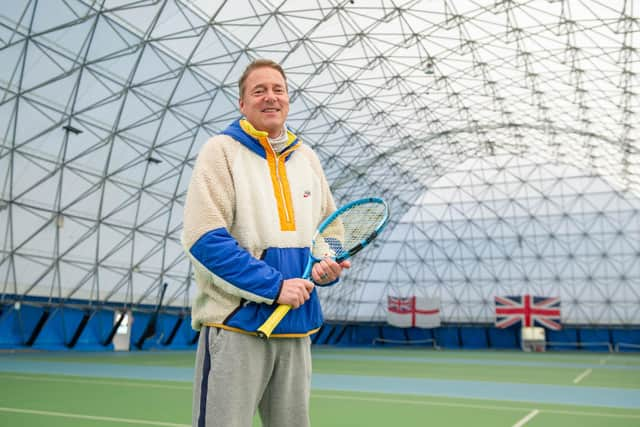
[237, 374]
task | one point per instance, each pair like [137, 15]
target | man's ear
[241, 105]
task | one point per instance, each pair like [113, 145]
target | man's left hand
[328, 271]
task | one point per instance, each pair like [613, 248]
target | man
[254, 201]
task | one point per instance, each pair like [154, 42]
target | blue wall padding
[154, 341]
[10, 334]
[329, 332]
[321, 336]
[164, 325]
[361, 335]
[181, 340]
[163, 329]
[173, 325]
[140, 320]
[96, 331]
[336, 335]
[420, 334]
[347, 337]
[473, 338]
[341, 336]
[503, 337]
[59, 329]
[367, 333]
[185, 336]
[594, 336]
[16, 325]
[564, 339]
[393, 333]
[447, 337]
[626, 339]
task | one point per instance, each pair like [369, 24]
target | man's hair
[259, 63]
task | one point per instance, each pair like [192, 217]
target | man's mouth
[270, 110]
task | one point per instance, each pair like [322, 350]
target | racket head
[350, 229]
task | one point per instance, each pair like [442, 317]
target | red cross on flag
[407, 312]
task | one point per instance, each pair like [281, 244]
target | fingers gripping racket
[342, 235]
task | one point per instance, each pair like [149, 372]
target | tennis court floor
[351, 387]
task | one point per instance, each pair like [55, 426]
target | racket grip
[270, 324]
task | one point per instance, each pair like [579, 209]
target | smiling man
[264, 99]
[256, 196]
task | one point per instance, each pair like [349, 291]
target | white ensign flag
[407, 312]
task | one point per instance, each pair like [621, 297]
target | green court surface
[351, 387]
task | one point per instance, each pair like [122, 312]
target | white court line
[582, 376]
[318, 394]
[315, 395]
[526, 419]
[91, 417]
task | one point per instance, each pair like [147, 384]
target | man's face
[265, 102]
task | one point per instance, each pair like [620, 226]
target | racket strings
[349, 229]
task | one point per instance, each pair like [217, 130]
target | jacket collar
[255, 140]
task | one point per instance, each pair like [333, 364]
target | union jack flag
[530, 310]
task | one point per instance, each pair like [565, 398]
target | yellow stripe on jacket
[278, 172]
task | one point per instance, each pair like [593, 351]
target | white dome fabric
[503, 134]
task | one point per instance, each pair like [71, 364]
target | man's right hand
[295, 292]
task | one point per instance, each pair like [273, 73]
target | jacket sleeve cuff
[275, 299]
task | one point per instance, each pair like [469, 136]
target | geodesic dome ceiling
[504, 135]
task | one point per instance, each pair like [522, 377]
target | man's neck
[280, 143]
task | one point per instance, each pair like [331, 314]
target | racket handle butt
[270, 324]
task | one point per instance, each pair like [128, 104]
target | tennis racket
[342, 235]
